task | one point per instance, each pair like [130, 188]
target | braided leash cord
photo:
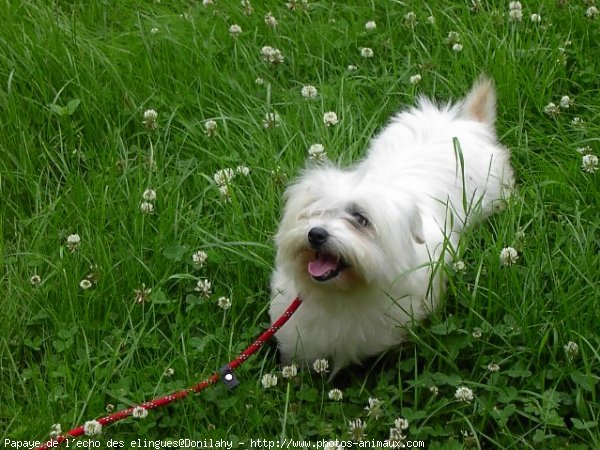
[168, 399]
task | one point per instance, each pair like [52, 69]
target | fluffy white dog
[364, 247]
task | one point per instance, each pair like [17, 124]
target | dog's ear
[480, 102]
[416, 226]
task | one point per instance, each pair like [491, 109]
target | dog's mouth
[326, 266]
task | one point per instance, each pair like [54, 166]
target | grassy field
[116, 317]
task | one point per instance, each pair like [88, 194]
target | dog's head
[342, 229]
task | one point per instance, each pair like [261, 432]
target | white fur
[418, 197]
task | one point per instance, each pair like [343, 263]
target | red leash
[225, 373]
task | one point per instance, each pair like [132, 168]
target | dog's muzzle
[325, 266]
[317, 237]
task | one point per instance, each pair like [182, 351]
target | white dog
[364, 247]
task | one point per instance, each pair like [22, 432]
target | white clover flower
[476, 6]
[224, 303]
[271, 120]
[224, 192]
[396, 438]
[266, 52]
[317, 152]
[85, 284]
[269, 380]
[453, 38]
[578, 122]
[139, 412]
[366, 52]
[235, 30]
[297, 5]
[259, 81]
[332, 445]
[562, 57]
[150, 115]
[204, 287]
[336, 395]
[516, 15]
[416, 78]
[515, 6]
[535, 18]
[330, 118]
[434, 390]
[142, 294]
[374, 408]
[147, 207]
[589, 163]
[493, 367]
[584, 150]
[309, 91]
[565, 102]
[457, 47]
[223, 176]
[242, 170]
[464, 394]
[149, 195]
[92, 428]
[370, 25]
[401, 423]
[477, 333]
[199, 258]
[73, 242]
[410, 19]
[210, 128]
[154, 30]
[272, 55]
[551, 109]
[271, 21]
[248, 10]
[150, 118]
[508, 256]
[357, 429]
[591, 12]
[321, 366]
[169, 372]
[459, 266]
[289, 371]
[571, 349]
[207, 2]
[352, 68]
[56, 430]
[469, 439]
[431, 20]
[35, 280]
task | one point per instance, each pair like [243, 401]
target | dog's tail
[480, 102]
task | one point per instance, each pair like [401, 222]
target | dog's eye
[360, 219]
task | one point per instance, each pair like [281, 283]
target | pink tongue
[322, 265]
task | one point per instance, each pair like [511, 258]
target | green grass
[75, 157]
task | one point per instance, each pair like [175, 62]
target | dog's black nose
[317, 236]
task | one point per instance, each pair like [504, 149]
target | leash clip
[228, 378]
